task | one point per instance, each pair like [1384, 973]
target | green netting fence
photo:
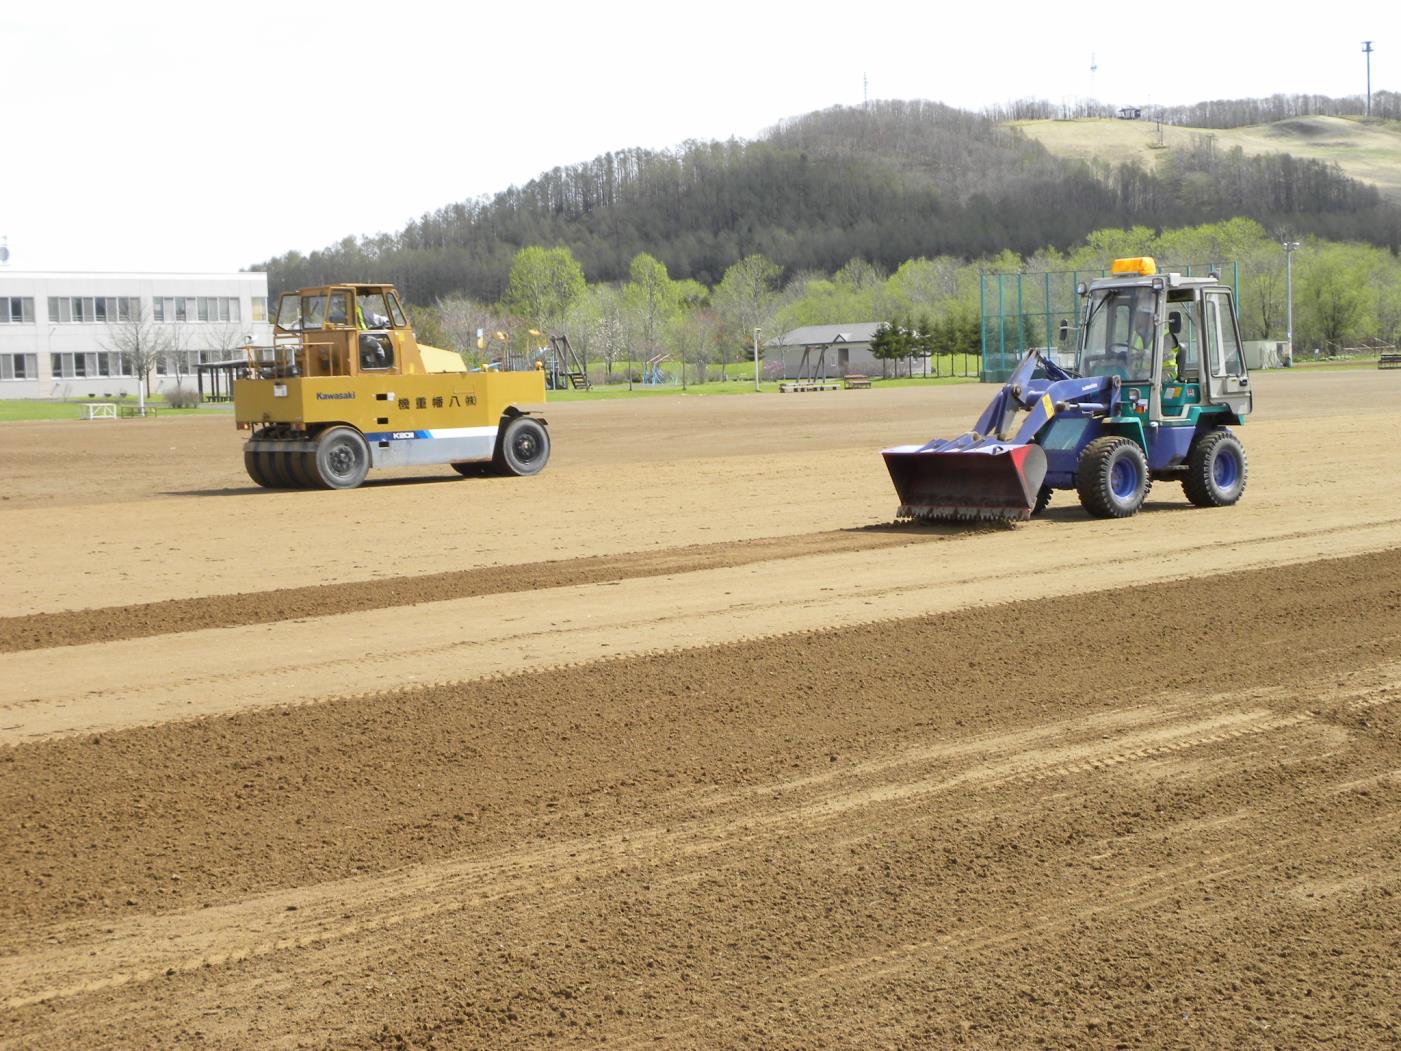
[1018, 311]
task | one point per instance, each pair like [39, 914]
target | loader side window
[1189, 335]
[313, 311]
[336, 313]
[1226, 357]
[289, 313]
[399, 320]
[373, 313]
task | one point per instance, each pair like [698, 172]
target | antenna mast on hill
[865, 91]
[1367, 50]
[1094, 68]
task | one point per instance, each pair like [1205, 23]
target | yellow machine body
[346, 387]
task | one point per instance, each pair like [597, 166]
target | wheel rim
[1225, 469]
[526, 446]
[342, 459]
[1123, 478]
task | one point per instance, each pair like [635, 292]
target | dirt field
[683, 743]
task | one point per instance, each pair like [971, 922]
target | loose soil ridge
[906, 834]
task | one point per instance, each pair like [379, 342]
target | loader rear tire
[1112, 477]
[1216, 470]
[342, 458]
[523, 448]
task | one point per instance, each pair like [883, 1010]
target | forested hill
[890, 182]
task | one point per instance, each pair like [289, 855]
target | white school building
[60, 333]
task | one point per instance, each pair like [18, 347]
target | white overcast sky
[191, 137]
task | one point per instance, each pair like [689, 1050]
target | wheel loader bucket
[983, 482]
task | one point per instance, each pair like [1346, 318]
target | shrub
[182, 398]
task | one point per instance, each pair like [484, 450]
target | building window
[60, 309]
[260, 308]
[202, 308]
[181, 314]
[19, 366]
[17, 310]
[157, 309]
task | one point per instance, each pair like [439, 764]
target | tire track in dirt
[799, 807]
[148, 619]
[1145, 891]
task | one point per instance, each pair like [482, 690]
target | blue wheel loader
[1150, 394]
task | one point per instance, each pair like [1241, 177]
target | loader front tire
[342, 458]
[1112, 477]
[523, 448]
[1043, 500]
[1216, 470]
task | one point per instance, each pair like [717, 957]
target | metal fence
[1018, 311]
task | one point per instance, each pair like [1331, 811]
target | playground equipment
[346, 387]
[1158, 379]
[652, 374]
[812, 372]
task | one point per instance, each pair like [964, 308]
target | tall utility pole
[1367, 50]
[1290, 247]
[756, 357]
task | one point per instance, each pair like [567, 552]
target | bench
[802, 386]
[136, 411]
[857, 382]
[1389, 360]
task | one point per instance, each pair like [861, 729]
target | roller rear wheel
[253, 463]
[342, 458]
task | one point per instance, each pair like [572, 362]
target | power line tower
[1367, 50]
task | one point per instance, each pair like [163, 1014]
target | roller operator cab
[346, 387]
[1157, 382]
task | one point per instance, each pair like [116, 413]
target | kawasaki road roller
[346, 387]
[1151, 393]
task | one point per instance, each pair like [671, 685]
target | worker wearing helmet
[1142, 343]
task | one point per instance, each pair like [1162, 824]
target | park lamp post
[1290, 247]
[756, 357]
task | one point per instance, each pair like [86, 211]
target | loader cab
[343, 330]
[1172, 342]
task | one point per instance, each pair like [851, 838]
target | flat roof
[221, 274]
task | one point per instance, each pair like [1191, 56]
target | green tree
[891, 342]
[744, 299]
[544, 284]
[650, 297]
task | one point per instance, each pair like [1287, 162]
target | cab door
[1227, 381]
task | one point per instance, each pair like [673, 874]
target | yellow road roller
[346, 387]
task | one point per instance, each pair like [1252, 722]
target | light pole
[1290, 247]
[756, 357]
[1367, 50]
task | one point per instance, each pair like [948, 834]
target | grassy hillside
[1367, 151]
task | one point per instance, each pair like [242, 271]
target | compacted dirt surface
[685, 743]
